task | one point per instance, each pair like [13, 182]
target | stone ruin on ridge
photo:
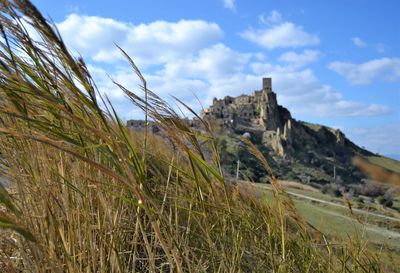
[258, 114]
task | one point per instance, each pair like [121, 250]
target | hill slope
[297, 150]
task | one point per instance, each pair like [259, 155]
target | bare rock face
[340, 138]
[274, 141]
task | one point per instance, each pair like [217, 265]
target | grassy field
[368, 205]
[396, 203]
[387, 163]
[343, 226]
[339, 223]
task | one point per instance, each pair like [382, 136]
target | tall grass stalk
[88, 195]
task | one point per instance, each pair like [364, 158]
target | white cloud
[285, 34]
[379, 47]
[213, 62]
[155, 43]
[218, 71]
[386, 69]
[300, 91]
[300, 59]
[186, 58]
[273, 18]
[358, 42]
[229, 4]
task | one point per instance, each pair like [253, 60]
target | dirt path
[390, 235]
[342, 206]
[369, 227]
[332, 203]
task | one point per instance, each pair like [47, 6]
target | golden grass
[87, 195]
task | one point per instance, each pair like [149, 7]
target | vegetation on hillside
[385, 162]
[86, 195]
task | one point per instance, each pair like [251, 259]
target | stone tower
[267, 84]
[268, 105]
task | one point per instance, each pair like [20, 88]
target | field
[379, 228]
[387, 163]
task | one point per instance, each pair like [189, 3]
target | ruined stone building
[259, 110]
[258, 113]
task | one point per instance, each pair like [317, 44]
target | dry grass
[86, 195]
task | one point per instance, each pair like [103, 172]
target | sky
[332, 62]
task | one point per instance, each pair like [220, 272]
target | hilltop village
[298, 150]
[258, 114]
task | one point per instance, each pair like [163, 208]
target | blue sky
[332, 62]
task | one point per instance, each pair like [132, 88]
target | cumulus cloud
[155, 43]
[300, 59]
[229, 4]
[216, 61]
[301, 90]
[285, 34]
[187, 59]
[218, 71]
[386, 69]
[273, 18]
[358, 42]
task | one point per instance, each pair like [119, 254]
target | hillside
[296, 150]
[385, 162]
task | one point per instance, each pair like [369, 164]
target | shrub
[359, 200]
[332, 189]
[385, 201]
[370, 188]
